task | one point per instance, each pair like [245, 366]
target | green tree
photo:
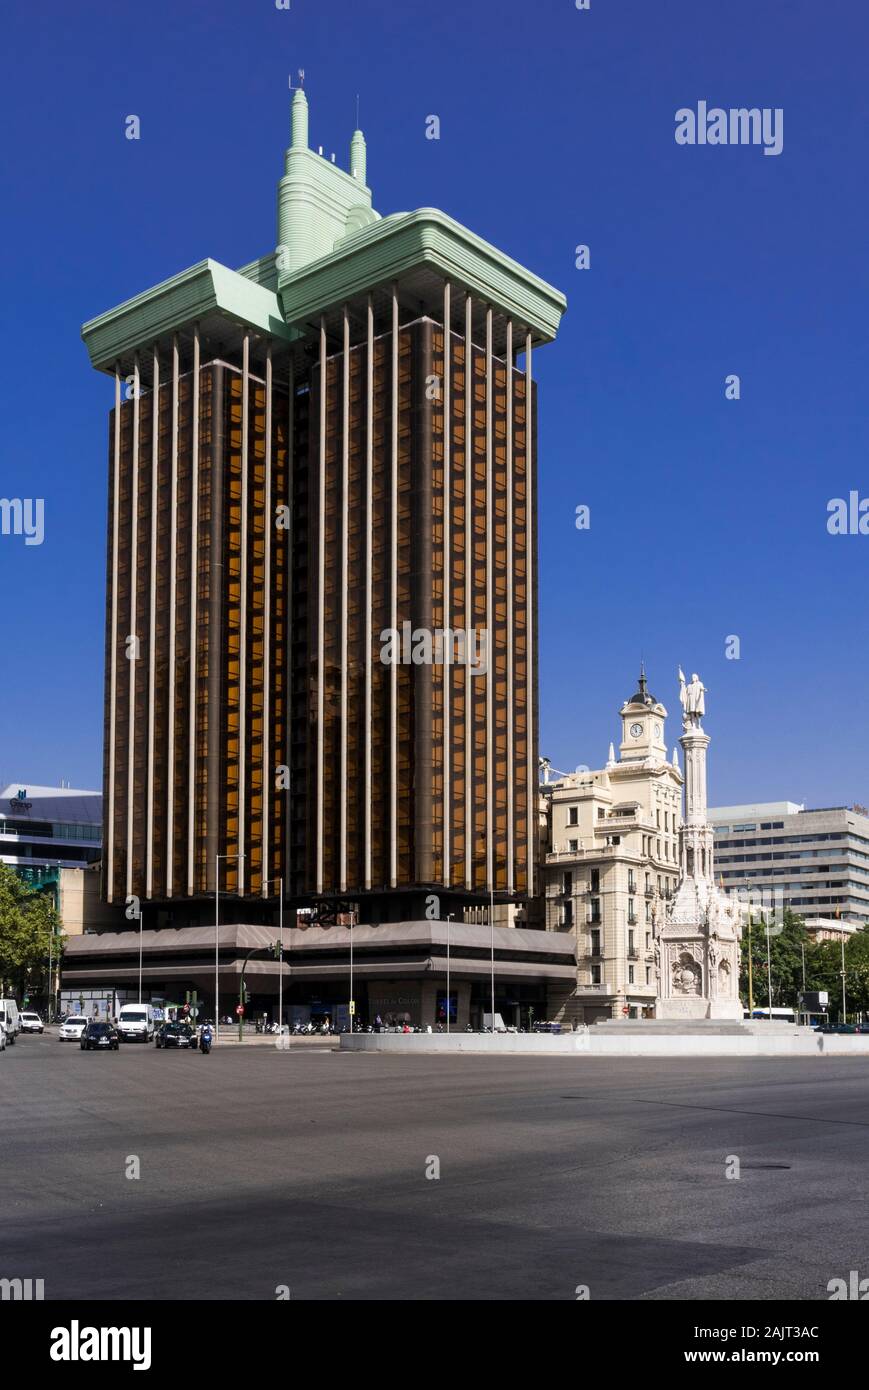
[786, 948]
[827, 973]
[28, 924]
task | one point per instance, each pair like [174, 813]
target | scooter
[205, 1040]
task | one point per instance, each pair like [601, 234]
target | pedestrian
[378, 1023]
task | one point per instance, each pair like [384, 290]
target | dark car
[176, 1035]
[99, 1037]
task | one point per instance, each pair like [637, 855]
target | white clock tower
[642, 719]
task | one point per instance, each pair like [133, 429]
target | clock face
[657, 731]
[636, 730]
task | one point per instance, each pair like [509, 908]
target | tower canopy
[642, 696]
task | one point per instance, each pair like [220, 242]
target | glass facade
[276, 529]
[188, 609]
[430, 469]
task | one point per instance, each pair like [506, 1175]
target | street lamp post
[141, 919]
[266, 883]
[492, 945]
[352, 1006]
[217, 859]
[844, 1006]
[750, 978]
[449, 920]
[768, 968]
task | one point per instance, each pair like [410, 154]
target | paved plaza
[308, 1169]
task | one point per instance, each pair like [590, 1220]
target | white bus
[781, 1015]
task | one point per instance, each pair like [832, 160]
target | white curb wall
[595, 1043]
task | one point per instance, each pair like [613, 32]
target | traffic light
[247, 996]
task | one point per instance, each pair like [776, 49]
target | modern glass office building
[322, 583]
[815, 860]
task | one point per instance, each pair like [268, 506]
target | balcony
[562, 856]
[633, 953]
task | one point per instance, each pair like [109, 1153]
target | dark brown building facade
[414, 766]
[321, 628]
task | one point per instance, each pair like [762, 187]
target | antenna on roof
[357, 110]
[301, 77]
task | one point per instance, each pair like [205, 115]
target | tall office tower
[321, 644]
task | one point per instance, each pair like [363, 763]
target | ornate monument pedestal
[692, 985]
[697, 942]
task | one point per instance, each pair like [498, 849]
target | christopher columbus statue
[692, 698]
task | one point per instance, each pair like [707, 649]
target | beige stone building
[611, 861]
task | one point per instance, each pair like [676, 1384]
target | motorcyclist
[206, 1038]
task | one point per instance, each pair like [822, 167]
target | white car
[30, 1023]
[72, 1028]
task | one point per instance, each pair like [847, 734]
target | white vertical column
[173, 580]
[469, 587]
[321, 603]
[369, 534]
[113, 644]
[393, 619]
[286, 657]
[508, 353]
[345, 484]
[531, 634]
[242, 619]
[132, 638]
[447, 580]
[490, 613]
[194, 590]
[152, 625]
[267, 774]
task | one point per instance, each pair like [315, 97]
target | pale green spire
[358, 156]
[300, 120]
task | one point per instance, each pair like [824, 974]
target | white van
[136, 1023]
[10, 1019]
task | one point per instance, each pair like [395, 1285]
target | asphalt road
[307, 1169]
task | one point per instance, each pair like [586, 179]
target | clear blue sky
[557, 127]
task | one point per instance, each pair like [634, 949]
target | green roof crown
[318, 203]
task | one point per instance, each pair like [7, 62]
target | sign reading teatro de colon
[422, 646]
[697, 939]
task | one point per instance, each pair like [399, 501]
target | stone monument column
[695, 836]
[698, 941]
